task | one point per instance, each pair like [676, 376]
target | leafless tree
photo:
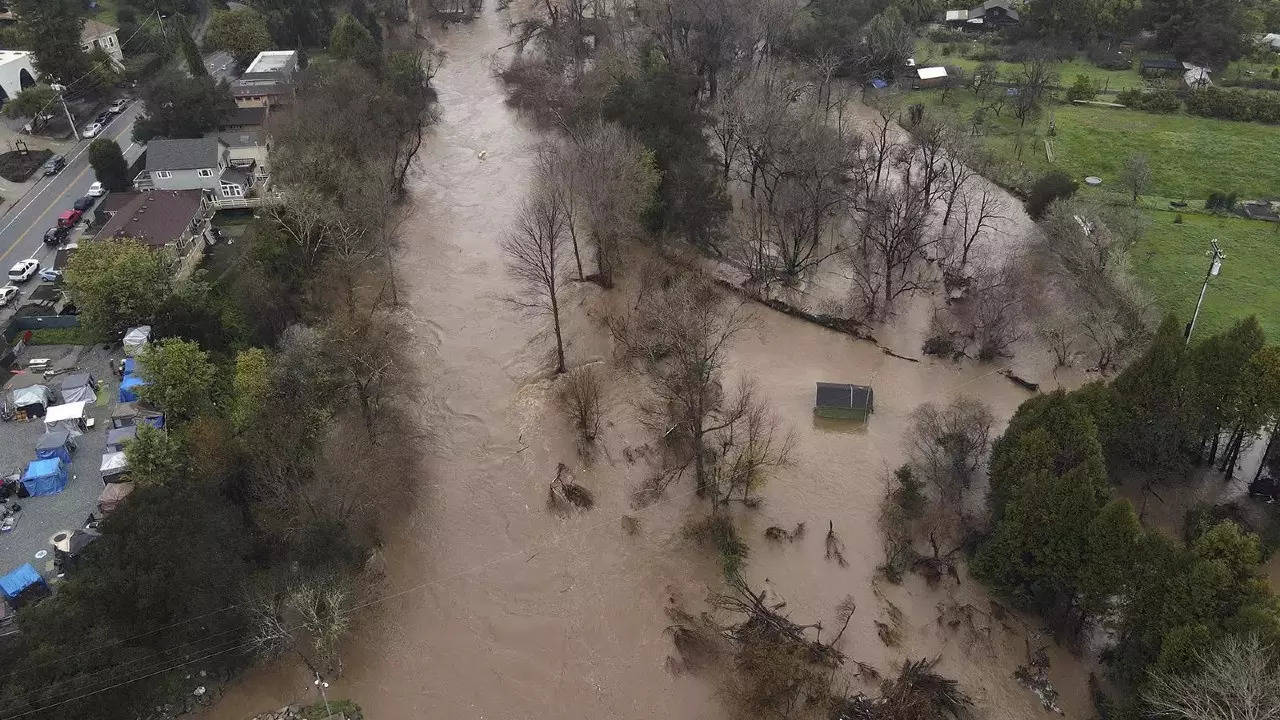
[1135, 175]
[959, 169]
[682, 334]
[557, 170]
[883, 142]
[617, 179]
[997, 308]
[980, 208]
[751, 449]
[726, 128]
[535, 260]
[927, 152]
[1236, 679]
[949, 444]
[581, 395]
[886, 255]
[1034, 85]
[1061, 333]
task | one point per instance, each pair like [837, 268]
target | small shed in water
[848, 402]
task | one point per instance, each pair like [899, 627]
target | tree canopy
[116, 284]
[180, 379]
[35, 99]
[59, 56]
[243, 32]
[176, 106]
[109, 165]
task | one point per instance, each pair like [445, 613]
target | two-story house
[193, 164]
[102, 36]
[268, 81]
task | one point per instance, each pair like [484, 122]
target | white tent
[33, 395]
[136, 338]
[83, 393]
[114, 464]
[68, 416]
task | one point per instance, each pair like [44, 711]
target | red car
[69, 218]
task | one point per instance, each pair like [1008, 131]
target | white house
[16, 73]
[194, 164]
[102, 36]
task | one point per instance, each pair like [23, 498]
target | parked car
[24, 270]
[69, 218]
[103, 118]
[55, 235]
[54, 165]
[92, 130]
[118, 106]
[96, 190]
[51, 275]
[7, 294]
[84, 203]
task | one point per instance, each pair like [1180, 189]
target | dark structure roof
[156, 217]
[236, 175]
[840, 395]
[245, 118]
[243, 138]
[182, 154]
[264, 87]
[1161, 64]
[1005, 7]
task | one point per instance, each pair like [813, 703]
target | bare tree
[558, 171]
[891, 245]
[949, 444]
[581, 395]
[958, 170]
[928, 149]
[1236, 679]
[980, 209]
[682, 334]
[751, 449]
[617, 179]
[998, 311]
[535, 260]
[883, 142]
[1135, 175]
[1033, 86]
[1060, 332]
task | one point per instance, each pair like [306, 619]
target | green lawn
[1189, 156]
[931, 53]
[61, 336]
[106, 13]
[1170, 262]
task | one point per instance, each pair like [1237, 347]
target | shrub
[1053, 185]
[1157, 101]
[1220, 201]
[1177, 219]
[1082, 89]
[946, 50]
[1235, 104]
[983, 54]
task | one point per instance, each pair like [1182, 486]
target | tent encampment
[55, 444]
[112, 495]
[18, 581]
[68, 416]
[117, 437]
[127, 365]
[136, 338]
[32, 399]
[129, 388]
[45, 477]
[80, 386]
[114, 467]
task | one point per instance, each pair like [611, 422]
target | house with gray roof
[193, 164]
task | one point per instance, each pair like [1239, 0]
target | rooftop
[243, 88]
[184, 154]
[94, 30]
[243, 138]
[930, 73]
[245, 117]
[272, 61]
[157, 217]
[8, 56]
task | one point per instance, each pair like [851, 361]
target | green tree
[33, 100]
[155, 457]
[57, 23]
[1053, 185]
[179, 378]
[116, 284]
[176, 106]
[1206, 31]
[1048, 433]
[190, 53]
[242, 32]
[109, 165]
[1219, 362]
[888, 41]
[352, 41]
[1152, 399]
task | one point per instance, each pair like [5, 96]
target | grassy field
[61, 336]
[1189, 156]
[1170, 262]
[931, 53]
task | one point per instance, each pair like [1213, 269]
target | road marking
[18, 214]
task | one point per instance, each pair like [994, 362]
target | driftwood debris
[835, 546]
[891, 353]
[1020, 381]
[563, 494]
[779, 534]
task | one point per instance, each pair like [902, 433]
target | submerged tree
[535, 260]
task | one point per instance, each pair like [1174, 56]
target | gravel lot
[43, 516]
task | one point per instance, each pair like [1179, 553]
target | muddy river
[495, 607]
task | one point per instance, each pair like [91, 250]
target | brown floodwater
[494, 607]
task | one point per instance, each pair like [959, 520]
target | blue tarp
[54, 444]
[127, 391]
[45, 477]
[128, 365]
[879, 84]
[15, 582]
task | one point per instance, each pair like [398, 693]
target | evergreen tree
[352, 41]
[56, 24]
[109, 165]
[191, 53]
[1154, 418]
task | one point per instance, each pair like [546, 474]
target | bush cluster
[1156, 101]
[1235, 104]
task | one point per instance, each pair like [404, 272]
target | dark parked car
[84, 203]
[55, 235]
[54, 165]
[104, 118]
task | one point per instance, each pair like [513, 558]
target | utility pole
[70, 120]
[1216, 256]
[321, 685]
[160, 21]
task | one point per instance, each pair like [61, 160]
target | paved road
[22, 226]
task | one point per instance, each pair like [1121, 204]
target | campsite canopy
[136, 338]
[15, 582]
[129, 388]
[80, 386]
[117, 437]
[54, 444]
[45, 477]
[79, 379]
[838, 400]
[112, 495]
[37, 395]
[114, 466]
[68, 416]
[130, 413]
[128, 365]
